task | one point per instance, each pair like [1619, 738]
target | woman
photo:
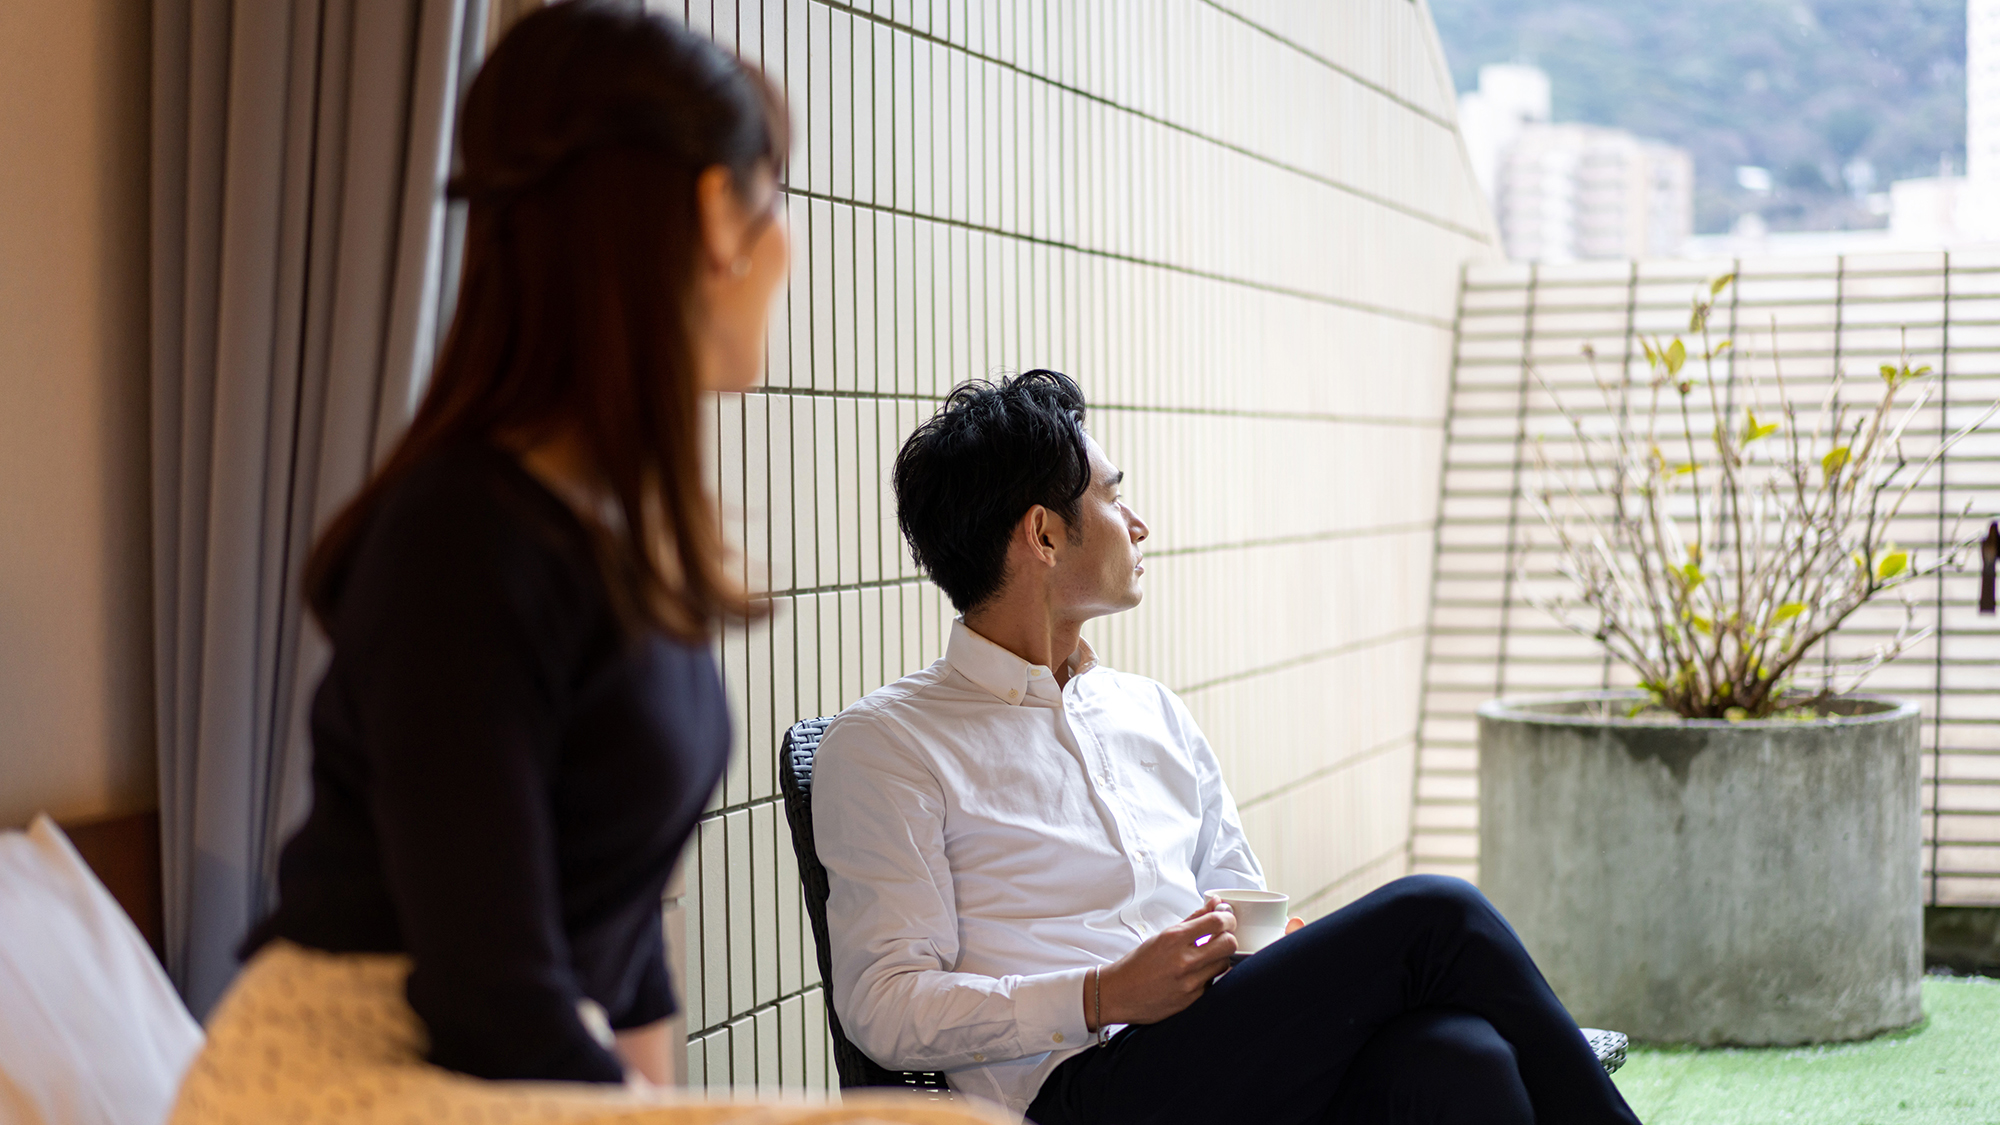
[521, 719]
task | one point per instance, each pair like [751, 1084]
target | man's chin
[1111, 604]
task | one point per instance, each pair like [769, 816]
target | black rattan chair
[795, 768]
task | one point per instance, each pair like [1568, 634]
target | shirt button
[1012, 694]
[977, 1057]
[1058, 1036]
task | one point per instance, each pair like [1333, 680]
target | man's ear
[1041, 529]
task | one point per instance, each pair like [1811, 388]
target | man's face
[1099, 566]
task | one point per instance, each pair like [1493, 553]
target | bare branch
[1788, 540]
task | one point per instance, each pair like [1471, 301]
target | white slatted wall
[1832, 314]
[1239, 225]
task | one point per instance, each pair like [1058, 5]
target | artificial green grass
[1944, 1071]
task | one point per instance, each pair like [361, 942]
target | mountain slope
[1801, 87]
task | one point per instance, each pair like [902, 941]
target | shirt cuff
[1048, 1010]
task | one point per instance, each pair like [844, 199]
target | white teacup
[1260, 916]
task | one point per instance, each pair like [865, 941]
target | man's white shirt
[989, 836]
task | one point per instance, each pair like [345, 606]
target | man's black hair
[968, 475]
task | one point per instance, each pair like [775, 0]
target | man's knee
[1438, 895]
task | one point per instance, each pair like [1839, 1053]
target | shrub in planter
[1724, 855]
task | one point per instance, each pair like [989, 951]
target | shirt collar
[999, 672]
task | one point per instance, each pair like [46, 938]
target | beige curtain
[299, 280]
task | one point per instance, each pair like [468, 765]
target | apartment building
[1564, 191]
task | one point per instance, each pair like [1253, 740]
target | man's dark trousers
[1416, 1003]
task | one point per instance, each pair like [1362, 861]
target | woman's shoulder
[467, 516]
[476, 480]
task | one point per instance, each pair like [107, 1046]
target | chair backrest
[795, 764]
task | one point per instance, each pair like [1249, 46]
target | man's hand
[1169, 971]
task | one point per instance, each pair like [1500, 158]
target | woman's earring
[740, 267]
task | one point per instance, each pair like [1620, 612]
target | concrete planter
[1709, 882]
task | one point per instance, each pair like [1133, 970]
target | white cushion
[91, 1031]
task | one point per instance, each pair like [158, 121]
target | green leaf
[1690, 574]
[1684, 468]
[1788, 611]
[1677, 355]
[1897, 376]
[1719, 349]
[1632, 712]
[1892, 564]
[1716, 287]
[1835, 461]
[1735, 714]
[1702, 626]
[1652, 353]
[1754, 431]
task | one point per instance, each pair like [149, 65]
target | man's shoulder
[890, 711]
[1144, 688]
[1144, 696]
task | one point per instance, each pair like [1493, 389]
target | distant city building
[1933, 211]
[1566, 192]
[1929, 213]
[1561, 192]
[1490, 119]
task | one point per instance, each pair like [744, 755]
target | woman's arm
[457, 631]
[648, 1052]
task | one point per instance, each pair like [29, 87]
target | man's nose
[1139, 530]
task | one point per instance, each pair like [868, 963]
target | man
[1019, 840]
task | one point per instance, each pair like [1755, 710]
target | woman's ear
[722, 221]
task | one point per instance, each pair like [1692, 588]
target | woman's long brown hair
[582, 138]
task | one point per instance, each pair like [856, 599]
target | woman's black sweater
[502, 774]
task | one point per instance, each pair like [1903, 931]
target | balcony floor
[1945, 1071]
